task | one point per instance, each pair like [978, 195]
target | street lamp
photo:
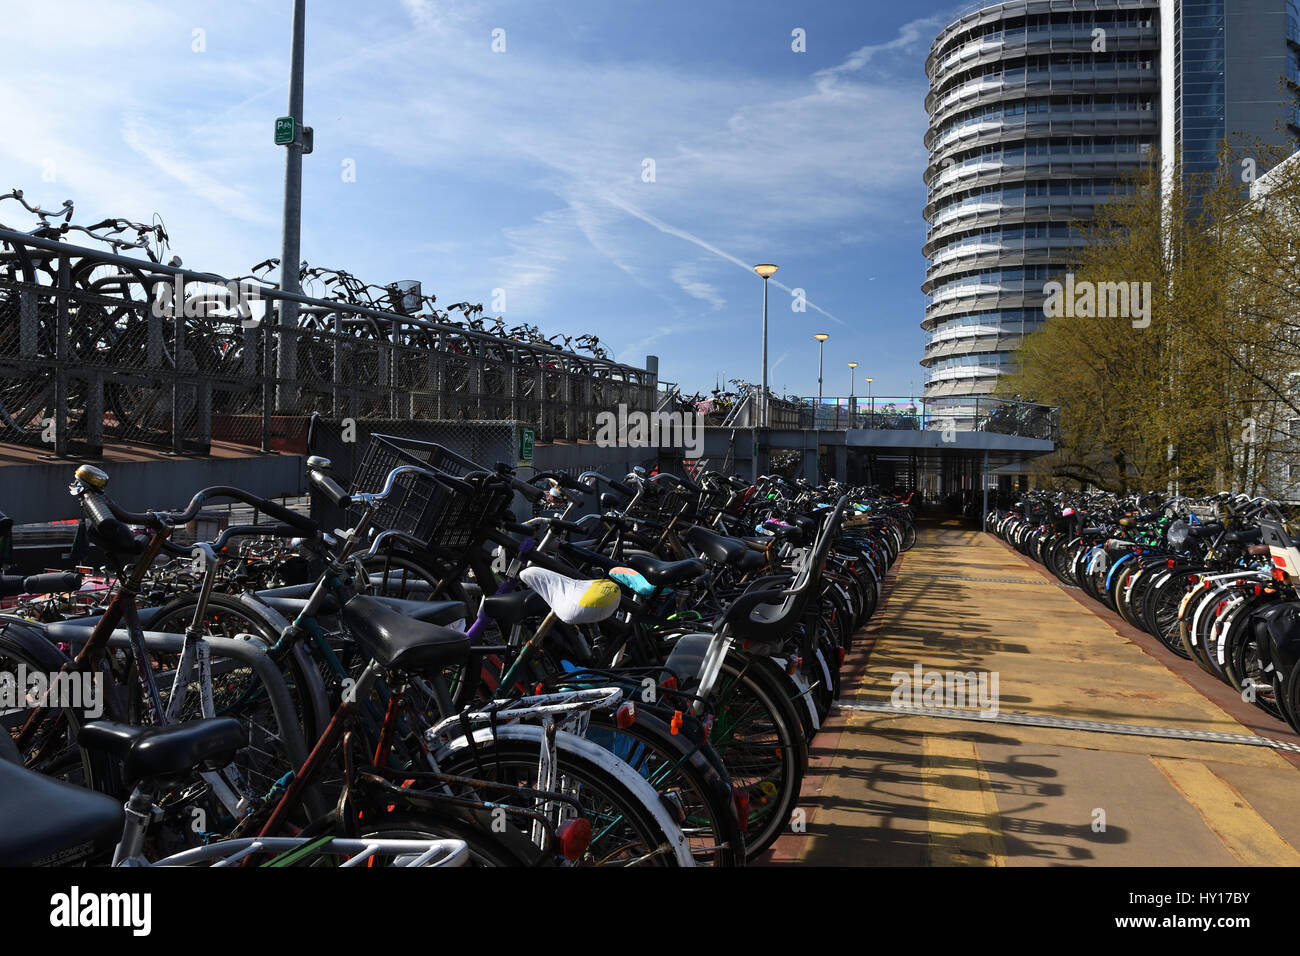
[291, 232]
[852, 375]
[766, 270]
[821, 338]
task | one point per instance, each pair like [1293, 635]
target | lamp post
[853, 405]
[766, 270]
[291, 233]
[871, 404]
[821, 338]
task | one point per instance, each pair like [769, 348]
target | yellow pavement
[903, 789]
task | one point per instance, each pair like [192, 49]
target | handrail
[272, 294]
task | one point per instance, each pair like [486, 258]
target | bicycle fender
[315, 688]
[687, 658]
[597, 755]
[30, 638]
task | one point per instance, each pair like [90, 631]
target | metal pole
[290, 246]
[762, 414]
[821, 356]
[985, 516]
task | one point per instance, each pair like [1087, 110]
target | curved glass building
[1038, 111]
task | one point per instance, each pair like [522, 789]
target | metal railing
[910, 413]
[97, 346]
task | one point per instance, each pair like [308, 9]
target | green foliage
[1200, 397]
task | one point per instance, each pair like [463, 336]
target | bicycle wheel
[1289, 703]
[758, 735]
[626, 831]
[1161, 609]
[1195, 629]
[51, 747]
[228, 617]
[237, 691]
[679, 771]
[909, 538]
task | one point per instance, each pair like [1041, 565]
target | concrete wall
[39, 492]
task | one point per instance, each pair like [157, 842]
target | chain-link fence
[96, 347]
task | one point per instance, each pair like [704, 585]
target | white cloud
[155, 146]
[686, 275]
[751, 165]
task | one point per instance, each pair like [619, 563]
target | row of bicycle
[568, 670]
[1214, 579]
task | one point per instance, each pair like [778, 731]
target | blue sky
[521, 170]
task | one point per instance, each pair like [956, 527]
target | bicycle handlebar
[330, 488]
[101, 509]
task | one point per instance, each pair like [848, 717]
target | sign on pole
[526, 437]
[285, 128]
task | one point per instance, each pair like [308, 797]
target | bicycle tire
[760, 684]
[507, 758]
[56, 735]
[709, 802]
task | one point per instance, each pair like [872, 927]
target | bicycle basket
[448, 511]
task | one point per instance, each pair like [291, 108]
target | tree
[1172, 345]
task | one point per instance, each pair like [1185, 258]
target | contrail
[709, 247]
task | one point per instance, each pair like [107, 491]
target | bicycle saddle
[724, 550]
[400, 642]
[50, 821]
[574, 600]
[661, 573]
[289, 601]
[633, 580]
[784, 531]
[1247, 536]
[166, 754]
[509, 609]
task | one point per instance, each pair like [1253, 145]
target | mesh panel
[94, 350]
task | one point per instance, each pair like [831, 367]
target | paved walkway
[905, 789]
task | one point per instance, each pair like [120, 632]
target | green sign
[284, 130]
[526, 436]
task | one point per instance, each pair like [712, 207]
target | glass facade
[1032, 126]
[1201, 82]
[1030, 129]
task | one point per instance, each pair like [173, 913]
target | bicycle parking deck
[893, 786]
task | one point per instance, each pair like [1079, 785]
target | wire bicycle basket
[446, 511]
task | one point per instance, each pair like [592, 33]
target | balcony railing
[968, 413]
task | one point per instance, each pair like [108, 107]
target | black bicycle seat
[665, 573]
[723, 549]
[400, 642]
[509, 609]
[166, 754]
[52, 822]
